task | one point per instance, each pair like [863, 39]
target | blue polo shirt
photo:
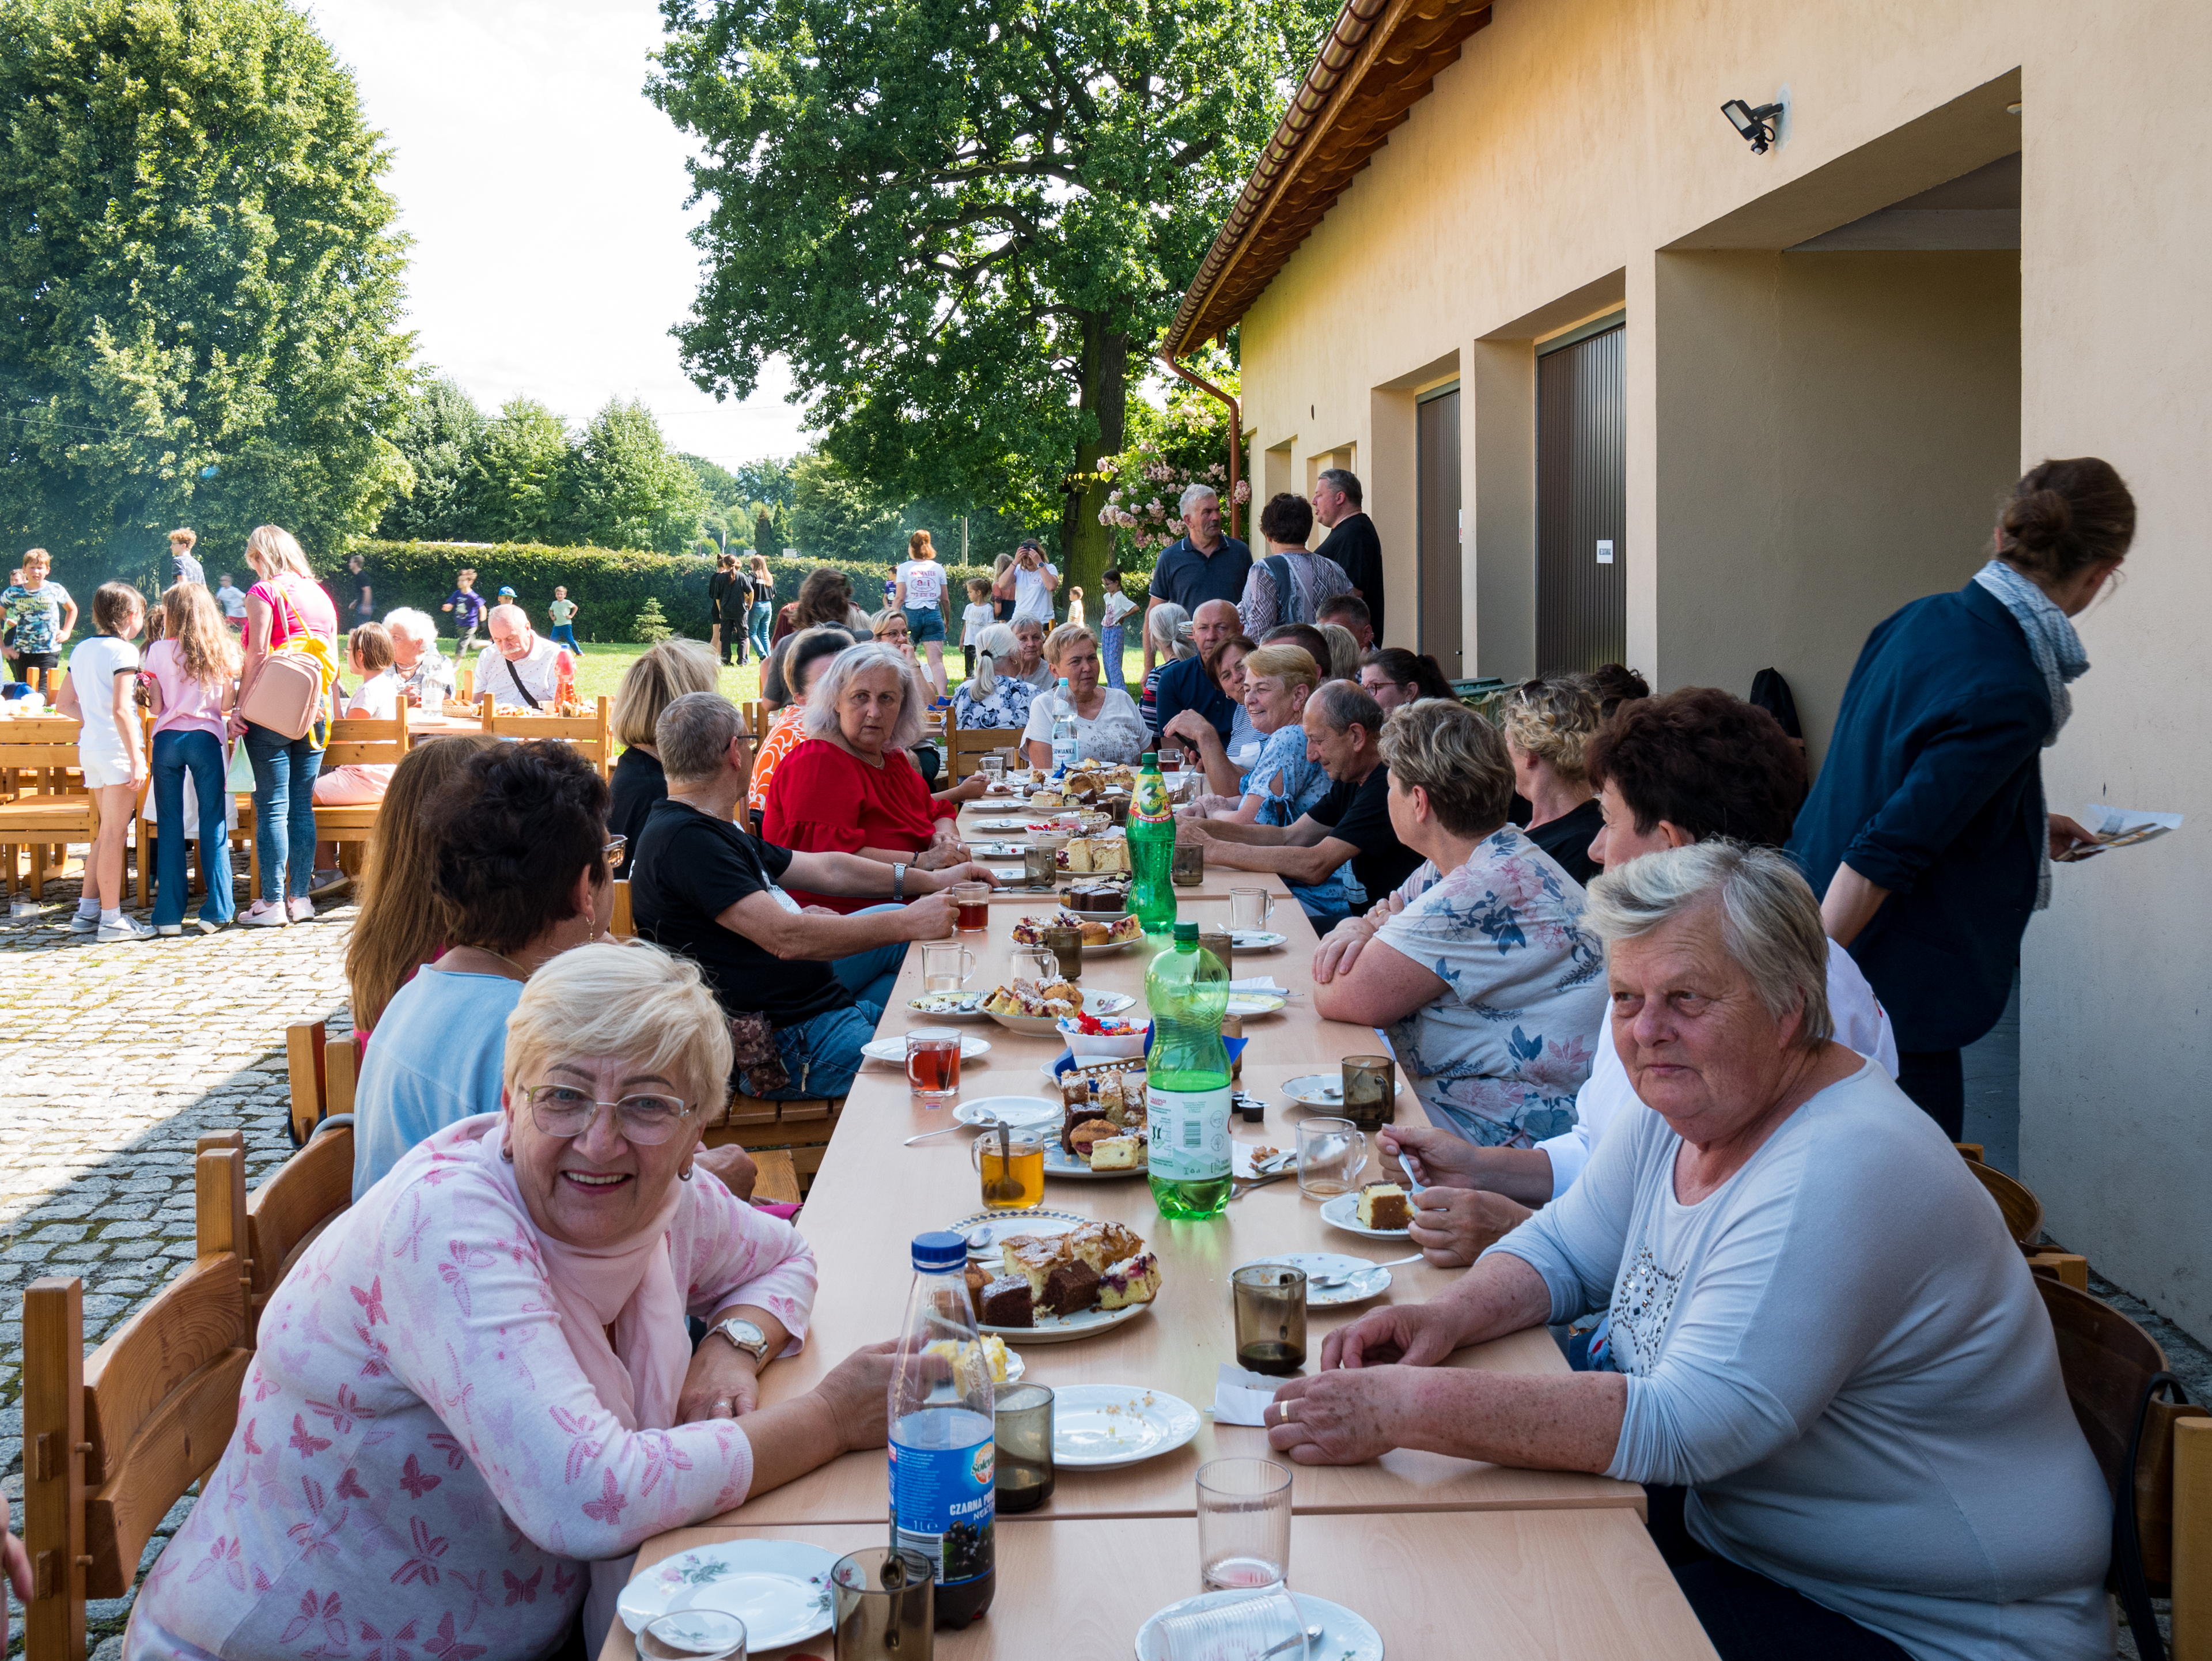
[1184, 685]
[1190, 578]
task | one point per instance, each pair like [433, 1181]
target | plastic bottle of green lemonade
[1187, 1097]
[1152, 850]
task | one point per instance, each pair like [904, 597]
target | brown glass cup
[1271, 1317]
[1189, 869]
[1370, 1090]
[1024, 1418]
[1212, 937]
[885, 1609]
[1067, 944]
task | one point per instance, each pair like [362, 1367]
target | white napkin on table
[1241, 1398]
[1258, 984]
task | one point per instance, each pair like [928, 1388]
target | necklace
[521, 973]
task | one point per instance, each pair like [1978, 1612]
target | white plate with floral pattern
[779, 1588]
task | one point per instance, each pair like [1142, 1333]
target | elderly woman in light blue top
[996, 697]
[1820, 1327]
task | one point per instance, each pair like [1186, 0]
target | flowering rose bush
[1185, 444]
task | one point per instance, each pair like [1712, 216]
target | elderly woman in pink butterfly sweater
[462, 1417]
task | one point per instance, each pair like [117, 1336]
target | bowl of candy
[1095, 1036]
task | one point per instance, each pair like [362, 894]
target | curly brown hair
[1703, 761]
[512, 833]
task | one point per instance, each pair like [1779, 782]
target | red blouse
[823, 800]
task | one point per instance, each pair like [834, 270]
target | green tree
[965, 226]
[201, 284]
[439, 440]
[516, 473]
[835, 520]
[626, 489]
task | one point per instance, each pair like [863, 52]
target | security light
[1755, 124]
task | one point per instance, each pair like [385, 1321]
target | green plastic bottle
[1152, 850]
[1187, 1092]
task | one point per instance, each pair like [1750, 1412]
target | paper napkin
[1240, 1397]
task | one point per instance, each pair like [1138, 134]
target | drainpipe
[1235, 432]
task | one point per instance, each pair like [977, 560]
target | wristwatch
[898, 882]
[746, 1337]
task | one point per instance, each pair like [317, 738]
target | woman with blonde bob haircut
[1107, 727]
[501, 1323]
[660, 677]
[1548, 724]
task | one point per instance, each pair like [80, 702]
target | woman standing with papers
[1927, 833]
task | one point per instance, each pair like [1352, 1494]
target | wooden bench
[321, 1070]
[800, 1129]
[39, 809]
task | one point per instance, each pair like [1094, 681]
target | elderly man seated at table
[521, 668]
[1491, 991]
[1187, 683]
[808, 983]
[475, 1396]
[1352, 822]
[1820, 1328]
[1696, 764]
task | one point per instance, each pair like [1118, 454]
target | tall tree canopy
[966, 224]
[200, 281]
[439, 438]
[627, 488]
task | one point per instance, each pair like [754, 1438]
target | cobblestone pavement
[114, 1060]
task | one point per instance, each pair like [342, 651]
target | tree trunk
[1087, 546]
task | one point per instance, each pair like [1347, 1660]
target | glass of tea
[1271, 1316]
[1370, 1090]
[932, 1064]
[972, 903]
[1011, 1165]
[945, 965]
[1332, 1152]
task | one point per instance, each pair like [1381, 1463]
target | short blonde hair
[1554, 721]
[1057, 642]
[624, 998]
[820, 721]
[185, 535]
[1343, 651]
[1291, 665]
[272, 550]
[1455, 755]
[660, 677]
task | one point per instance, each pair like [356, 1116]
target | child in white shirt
[978, 616]
[101, 693]
[1117, 607]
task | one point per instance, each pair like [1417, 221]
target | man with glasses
[522, 669]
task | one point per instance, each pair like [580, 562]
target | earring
[685, 1175]
[507, 1152]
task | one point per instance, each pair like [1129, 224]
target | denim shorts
[924, 622]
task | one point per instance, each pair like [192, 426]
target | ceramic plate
[949, 1006]
[1344, 1636]
[1098, 1426]
[1324, 1091]
[1368, 1279]
[1019, 1112]
[1058, 1162]
[1342, 1213]
[892, 1051]
[998, 850]
[1067, 1328]
[1048, 1027]
[1002, 824]
[1255, 1003]
[985, 1229]
[1255, 940]
[779, 1588]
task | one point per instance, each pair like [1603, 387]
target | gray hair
[1164, 627]
[416, 625]
[1345, 704]
[992, 642]
[1192, 496]
[1343, 651]
[820, 721]
[1341, 479]
[693, 734]
[1770, 922]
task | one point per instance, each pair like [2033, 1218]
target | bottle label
[1189, 1134]
[1063, 751]
[944, 1505]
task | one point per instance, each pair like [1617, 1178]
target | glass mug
[1249, 909]
[972, 906]
[1332, 1152]
[1033, 963]
[932, 1064]
[994, 767]
[945, 966]
[1011, 1165]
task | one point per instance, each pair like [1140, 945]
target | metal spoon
[1330, 1282]
[927, 1134]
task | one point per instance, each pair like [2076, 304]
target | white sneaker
[123, 929]
[169, 928]
[264, 916]
[81, 924]
[205, 927]
[303, 909]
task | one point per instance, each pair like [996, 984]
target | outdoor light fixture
[1755, 124]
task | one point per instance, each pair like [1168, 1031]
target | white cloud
[545, 196]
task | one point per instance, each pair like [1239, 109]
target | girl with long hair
[192, 667]
[763, 611]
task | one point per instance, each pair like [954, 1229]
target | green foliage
[835, 517]
[200, 288]
[1185, 443]
[651, 626]
[439, 439]
[516, 475]
[626, 489]
[965, 226]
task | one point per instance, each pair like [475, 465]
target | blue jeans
[1109, 651]
[563, 635]
[283, 810]
[868, 975]
[201, 752]
[763, 614]
[824, 1055]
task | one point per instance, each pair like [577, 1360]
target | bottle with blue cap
[943, 1458]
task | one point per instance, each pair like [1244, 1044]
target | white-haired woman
[1107, 727]
[475, 1397]
[996, 697]
[426, 677]
[287, 601]
[850, 787]
[1028, 662]
[1166, 639]
[1879, 1457]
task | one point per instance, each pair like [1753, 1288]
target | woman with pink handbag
[283, 698]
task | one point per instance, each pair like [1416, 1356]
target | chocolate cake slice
[1006, 1302]
[1071, 1287]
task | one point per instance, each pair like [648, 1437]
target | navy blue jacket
[1933, 788]
[1184, 685]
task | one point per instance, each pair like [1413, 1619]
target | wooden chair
[289, 1211]
[592, 734]
[113, 1439]
[800, 1131]
[622, 925]
[39, 809]
[2023, 1212]
[2108, 1362]
[359, 742]
[965, 748]
[321, 1070]
[757, 716]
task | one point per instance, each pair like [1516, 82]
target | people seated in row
[475, 1397]
[1825, 1345]
[1547, 725]
[1312, 579]
[1107, 727]
[663, 672]
[807, 654]
[1351, 824]
[1309, 639]
[1350, 613]
[1393, 676]
[809, 982]
[1690, 767]
[1186, 684]
[1167, 638]
[993, 698]
[1029, 662]
[425, 674]
[521, 668]
[1491, 991]
[1225, 760]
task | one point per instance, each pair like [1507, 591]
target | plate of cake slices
[1379, 1211]
[1026, 1007]
[1103, 1125]
[1099, 1426]
[1101, 933]
[1047, 1277]
[951, 1006]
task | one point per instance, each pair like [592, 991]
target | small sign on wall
[1605, 553]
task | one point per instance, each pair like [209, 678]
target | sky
[545, 197]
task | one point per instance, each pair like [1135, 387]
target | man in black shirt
[1204, 565]
[1351, 822]
[1352, 541]
[702, 887]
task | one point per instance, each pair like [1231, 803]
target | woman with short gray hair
[1827, 1358]
[1167, 637]
[426, 679]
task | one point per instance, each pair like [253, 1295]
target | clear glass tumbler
[1243, 1523]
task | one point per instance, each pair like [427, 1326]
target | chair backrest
[757, 716]
[304, 1050]
[112, 1440]
[592, 734]
[38, 744]
[2023, 1212]
[622, 923]
[358, 741]
[966, 746]
[289, 1211]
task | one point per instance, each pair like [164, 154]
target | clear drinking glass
[1249, 909]
[994, 767]
[972, 906]
[1243, 1523]
[694, 1635]
[1024, 1414]
[1332, 1152]
[885, 1606]
[932, 1065]
[945, 965]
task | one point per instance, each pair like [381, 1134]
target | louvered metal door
[1437, 490]
[1582, 505]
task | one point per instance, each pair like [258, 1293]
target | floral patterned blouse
[1498, 1057]
[420, 1465]
[1006, 707]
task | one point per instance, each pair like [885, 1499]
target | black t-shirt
[1567, 840]
[639, 783]
[1358, 552]
[1360, 814]
[685, 871]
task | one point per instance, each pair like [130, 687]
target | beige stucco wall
[1575, 158]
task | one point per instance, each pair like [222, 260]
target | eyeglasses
[616, 849]
[559, 1110]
